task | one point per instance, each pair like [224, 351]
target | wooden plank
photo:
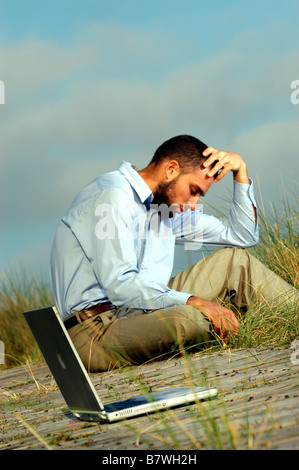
[257, 405]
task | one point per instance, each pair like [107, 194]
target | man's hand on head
[225, 162]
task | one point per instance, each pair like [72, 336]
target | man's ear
[172, 169]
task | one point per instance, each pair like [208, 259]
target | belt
[88, 313]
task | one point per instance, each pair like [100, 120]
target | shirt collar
[138, 184]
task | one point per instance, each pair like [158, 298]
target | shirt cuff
[244, 192]
[178, 298]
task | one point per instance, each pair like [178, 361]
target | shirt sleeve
[239, 229]
[110, 246]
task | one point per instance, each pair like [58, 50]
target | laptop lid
[63, 359]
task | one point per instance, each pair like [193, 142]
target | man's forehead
[201, 174]
[200, 179]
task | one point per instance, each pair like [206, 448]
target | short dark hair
[187, 150]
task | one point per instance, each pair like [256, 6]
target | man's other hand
[224, 320]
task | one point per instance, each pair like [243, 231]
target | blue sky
[90, 83]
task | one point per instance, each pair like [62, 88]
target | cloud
[104, 118]
[32, 65]
[73, 111]
[272, 152]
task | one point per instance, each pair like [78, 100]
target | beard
[163, 195]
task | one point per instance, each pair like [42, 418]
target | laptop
[76, 386]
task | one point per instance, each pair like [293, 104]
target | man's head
[183, 178]
[185, 149]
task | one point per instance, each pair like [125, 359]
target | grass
[20, 292]
[278, 248]
[279, 240]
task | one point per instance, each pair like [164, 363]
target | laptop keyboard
[123, 404]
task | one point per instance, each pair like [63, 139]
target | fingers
[228, 325]
[223, 162]
[224, 321]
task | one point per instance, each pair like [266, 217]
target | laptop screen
[63, 361]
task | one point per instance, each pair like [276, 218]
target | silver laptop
[75, 384]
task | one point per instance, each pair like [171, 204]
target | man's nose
[193, 201]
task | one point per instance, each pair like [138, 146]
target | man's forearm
[227, 161]
[241, 176]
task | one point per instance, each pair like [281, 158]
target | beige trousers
[106, 341]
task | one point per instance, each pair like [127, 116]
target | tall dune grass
[278, 249]
[279, 240]
[20, 292]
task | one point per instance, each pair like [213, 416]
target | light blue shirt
[112, 245]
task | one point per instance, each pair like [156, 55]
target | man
[112, 257]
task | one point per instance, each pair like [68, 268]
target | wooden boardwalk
[257, 406]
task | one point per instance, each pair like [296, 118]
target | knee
[241, 255]
[191, 326]
[235, 251]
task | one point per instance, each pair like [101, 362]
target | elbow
[248, 239]
[255, 235]
[252, 240]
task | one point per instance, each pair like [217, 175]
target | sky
[89, 83]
